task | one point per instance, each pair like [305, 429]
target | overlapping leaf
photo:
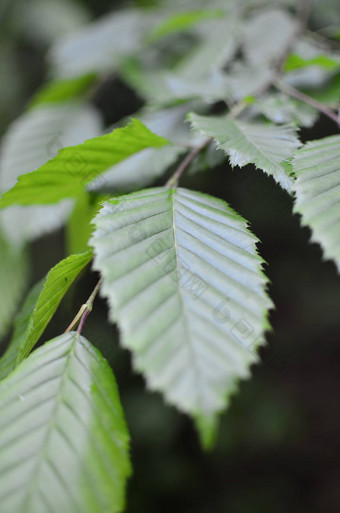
[184, 283]
[279, 108]
[198, 74]
[79, 229]
[145, 166]
[32, 140]
[38, 309]
[317, 192]
[63, 439]
[163, 87]
[68, 173]
[56, 284]
[269, 147]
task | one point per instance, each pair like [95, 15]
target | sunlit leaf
[74, 167]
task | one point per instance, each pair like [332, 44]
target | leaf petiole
[84, 310]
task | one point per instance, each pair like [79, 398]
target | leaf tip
[207, 427]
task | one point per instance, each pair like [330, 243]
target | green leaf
[31, 140]
[56, 284]
[63, 439]
[40, 133]
[79, 229]
[13, 280]
[312, 75]
[147, 165]
[68, 173]
[8, 360]
[317, 169]
[182, 21]
[294, 61]
[139, 170]
[267, 146]
[63, 90]
[184, 283]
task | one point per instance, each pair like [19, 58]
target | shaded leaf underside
[268, 147]
[317, 192]
[63, 440]
[183, 279]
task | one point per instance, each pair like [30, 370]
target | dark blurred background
[278, 448]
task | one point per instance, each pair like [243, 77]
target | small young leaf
[56, 284]
[63, 439]
[68, 173]
[184, 282]
[267, 146]
[182, 21]
[317, 192]
[294, 61]
[62, 90]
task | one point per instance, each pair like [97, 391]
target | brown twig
[291, 91]
[173, 181]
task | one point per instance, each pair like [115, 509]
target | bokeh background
[278, 448]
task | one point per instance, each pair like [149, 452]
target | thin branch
[173, 180]
[295, 93]
[85, 310]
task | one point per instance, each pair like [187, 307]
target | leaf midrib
[197, 372]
